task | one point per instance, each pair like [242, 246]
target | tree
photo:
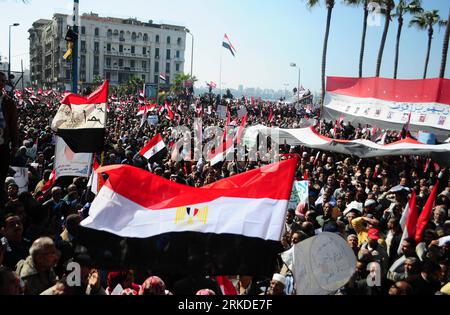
[445, 46]
[386, 9]
[329, 5]
[426, 21]
[133, 85]
[403, 7]
[98, 80]
[178, 86]
[363, 3]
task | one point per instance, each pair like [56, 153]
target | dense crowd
[360, 199]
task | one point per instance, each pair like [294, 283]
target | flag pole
[220, 74]
[157, 91]
[75, 48]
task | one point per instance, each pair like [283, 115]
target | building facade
[108, 48]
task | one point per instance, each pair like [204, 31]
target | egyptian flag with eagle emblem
[81, 120]
[232, 226]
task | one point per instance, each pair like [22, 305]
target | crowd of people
[360, 199]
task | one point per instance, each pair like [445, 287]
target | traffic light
[70, 38]
[69, 50]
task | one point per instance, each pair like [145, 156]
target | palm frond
[312, 3]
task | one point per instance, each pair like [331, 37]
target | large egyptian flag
[227, 44]
[81, 121]
[233, 226]
[390, 104]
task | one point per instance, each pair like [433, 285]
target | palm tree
[330, 5]
[425, 21]
[445, 46]
[365, 4]
[178, 84]
[386, 8]
[403, 7]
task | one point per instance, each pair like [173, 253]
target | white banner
[422, 114]
[300, 192]
[222, 111]
[322, 264]
[68, 163]
[21, 178]
[152, 120]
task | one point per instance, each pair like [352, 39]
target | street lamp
[293, 64]
[285, 90]
[9, 53]
[192, 49]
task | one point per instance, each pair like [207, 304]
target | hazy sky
[267, 34]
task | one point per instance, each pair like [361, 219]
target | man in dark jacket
[9, 135]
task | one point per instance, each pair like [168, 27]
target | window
[108, 47]
[155, 79]
[178, 54]
[132, 63]
[83, 61]
[96, 31]
[83, 46]
[96, 62]
[179, 41]
[83, 30]
[145, 37]
[120, 62]
[167, 67]
[133, 36]
[122, 36]
[177, 67]
[157, 38]
[67, 74]
[167, 79]
[96, 47]
[143, 77]
[144, 50]
[109, 33]
[108, 62]
[116, 32]
[168, 39]
[156, 53]
[156, 66]
[108, 75]
[132, 49]
[168, 54]
[144, 64]
[120, 48]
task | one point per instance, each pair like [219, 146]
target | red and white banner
[309, 137]
[389, 103]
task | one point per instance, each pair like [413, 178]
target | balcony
[125, 54]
